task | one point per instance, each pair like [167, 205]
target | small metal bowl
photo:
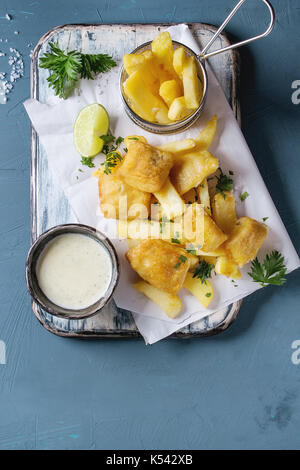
[174, 127]
[179, 126]
[31, 277]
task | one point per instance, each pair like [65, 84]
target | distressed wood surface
[49, 206]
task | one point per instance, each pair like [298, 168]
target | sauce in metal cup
[72, 271]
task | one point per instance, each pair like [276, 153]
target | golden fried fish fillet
[245, 240]
[145, 167]
[160, 263]
[119, 200]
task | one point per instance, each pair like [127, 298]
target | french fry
[162, 48]
[171, 203]
[170, 304]
[194, 261]
[144, 62]
[203, 196]
[205, 138]
[190, 169]
[161, 116]
[227, 267]
[142, 100]
[179, 146]
[178, 109]
[202, 291]
[191, 84]
[211, 254]
[139, 229]
[179, 57]
[224, 211]
[169, 90]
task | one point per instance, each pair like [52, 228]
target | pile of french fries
[163, 84]
[176, 218]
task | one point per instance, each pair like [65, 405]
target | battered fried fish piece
[145, 167]
[245, 240]
[161, 264]
[119, 200]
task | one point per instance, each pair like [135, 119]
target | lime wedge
[91, 123]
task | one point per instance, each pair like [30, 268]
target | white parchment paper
[54, 123]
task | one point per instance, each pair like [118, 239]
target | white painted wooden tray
[49, 205]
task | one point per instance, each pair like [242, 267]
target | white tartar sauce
[74, 271]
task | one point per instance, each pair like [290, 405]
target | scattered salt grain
[16, 32]
[8, 17]
[3, 98]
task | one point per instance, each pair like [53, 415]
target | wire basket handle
[204, 56]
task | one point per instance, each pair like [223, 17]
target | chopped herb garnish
[107, 138]
[87, 161]
[111, 161]
[79, 169]
[244, 196]
[265, 218]
[175, 240]
[133, 138]
[203, 271]
[271, 271]
[111, 143]
[231, 172]
[208, 294]
[181, 260]
[109, 149]
[119, 141]
[192, 252]
[224, 184]
[162, 223]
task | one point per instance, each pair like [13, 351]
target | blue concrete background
[238, 390]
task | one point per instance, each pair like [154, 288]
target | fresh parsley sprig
[67, 68]
[271, 271]
[203, 271]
